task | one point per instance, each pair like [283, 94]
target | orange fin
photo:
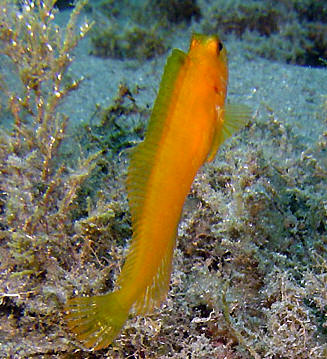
[143, 156]
[96, 320]
[159, 287]
[234, 118]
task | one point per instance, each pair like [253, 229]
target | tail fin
[96, 320]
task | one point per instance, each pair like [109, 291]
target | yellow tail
[96, 320]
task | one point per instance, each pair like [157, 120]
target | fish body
[189, 121]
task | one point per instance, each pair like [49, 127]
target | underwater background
[77, 85]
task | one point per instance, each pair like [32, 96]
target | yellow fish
[189, 121]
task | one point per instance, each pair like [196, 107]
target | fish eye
[220, 46]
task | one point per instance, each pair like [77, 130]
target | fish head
[210, 44]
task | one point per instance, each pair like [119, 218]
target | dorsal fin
[143, 156]
[234, 118]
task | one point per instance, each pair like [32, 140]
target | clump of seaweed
[298, 38]
[119, 126]
[145, 34]
[37, 188]
[135, 42]
[292, 330]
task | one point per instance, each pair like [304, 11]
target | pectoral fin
[233, 117]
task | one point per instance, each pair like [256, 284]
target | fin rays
[96, 320]
[234, 117]
[158, 289]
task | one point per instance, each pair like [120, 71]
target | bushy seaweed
[38, 189]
